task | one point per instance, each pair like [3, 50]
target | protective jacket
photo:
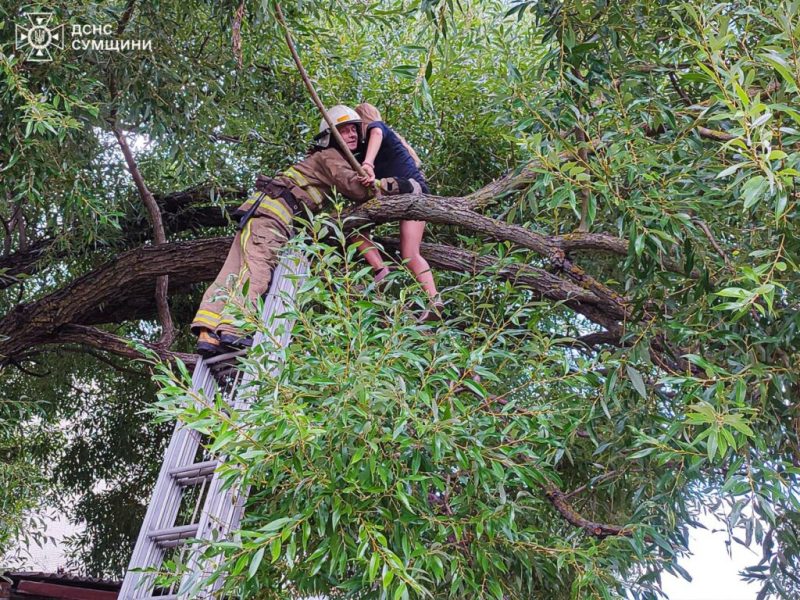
[310, 182]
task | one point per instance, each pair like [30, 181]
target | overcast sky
[714, 573]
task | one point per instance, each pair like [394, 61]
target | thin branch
[23, 237]
[677, 87]
[236, 34]
[102, 358]
[252, 136]
[310, 87]
[712, 240]
[6, 238]
[597, 480]
[126, 17]
[714, 134]
[17, 364]
[560, 501]
[154, 212]
[583, 154]
[114, 344]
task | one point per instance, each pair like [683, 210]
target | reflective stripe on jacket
[312, 181]
[269, 207]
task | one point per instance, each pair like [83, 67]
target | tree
[643, 231]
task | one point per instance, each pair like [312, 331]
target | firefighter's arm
[345, 179]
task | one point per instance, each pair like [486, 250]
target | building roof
[60, 586]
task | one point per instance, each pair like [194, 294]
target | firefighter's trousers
[253, 256]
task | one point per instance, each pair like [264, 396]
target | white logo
[39, 37]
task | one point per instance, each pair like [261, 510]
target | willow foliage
[378, 465]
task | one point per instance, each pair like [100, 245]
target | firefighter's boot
[235, 340]
[208, 344]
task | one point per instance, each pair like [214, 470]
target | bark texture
[123, 288]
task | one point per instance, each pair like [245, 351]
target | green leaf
[637, 381]
[255, 562]
[275, 548]
[475, 387]
[400, 591]
[711, 444]
[753, 190]
[374, 565]
[731, 170]
[642, 453]
[276, 524]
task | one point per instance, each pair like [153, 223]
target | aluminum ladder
[187, 488]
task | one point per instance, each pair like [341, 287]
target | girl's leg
[410, 239]
[369, 251]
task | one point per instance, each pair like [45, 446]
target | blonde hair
[370, 113]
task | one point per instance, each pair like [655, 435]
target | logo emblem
[39, 37]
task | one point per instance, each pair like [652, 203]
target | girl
[389, 155]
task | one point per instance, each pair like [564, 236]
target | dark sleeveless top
[393, 160]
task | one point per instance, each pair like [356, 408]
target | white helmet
[340, 115]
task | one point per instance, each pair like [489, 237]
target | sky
[714, 573]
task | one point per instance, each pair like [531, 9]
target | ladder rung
[170, 544]
[168, 534]
[194, 473]
[224, 357]
[190, 481]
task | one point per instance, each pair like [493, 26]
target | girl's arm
[373, 145]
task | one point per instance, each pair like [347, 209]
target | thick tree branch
[180, 212]
[455, 211]
[119, 290]
[545, 284]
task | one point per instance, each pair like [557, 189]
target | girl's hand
[370, 177]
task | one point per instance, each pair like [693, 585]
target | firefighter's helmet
[340, 115]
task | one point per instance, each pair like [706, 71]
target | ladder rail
[221, 508]
[165, 501]
[224, 508]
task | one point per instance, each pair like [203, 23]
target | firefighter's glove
[392, 186]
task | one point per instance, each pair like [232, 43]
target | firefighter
[266, 224]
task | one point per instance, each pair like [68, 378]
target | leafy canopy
[671, 125]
